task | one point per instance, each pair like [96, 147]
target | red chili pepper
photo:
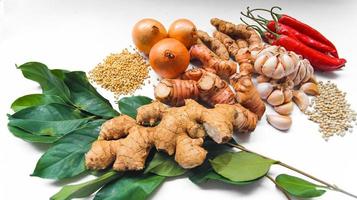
[299, 26]
[317, 59]
[287, 30]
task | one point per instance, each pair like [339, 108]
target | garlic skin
[264, 89]
[303, 73]
[279, 121]
[275, 62]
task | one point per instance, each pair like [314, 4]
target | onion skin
[169, 58]
[146, 33]
[184, 31]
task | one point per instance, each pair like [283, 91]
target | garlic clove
[285, 109]
[269, 66]
[279, 72]
[301, 100]
[279, 121]
[288, 95]
[259, 62]
[276, 98]
[288, 63]
[264, 89]
[310, 88]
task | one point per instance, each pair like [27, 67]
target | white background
[76, 35]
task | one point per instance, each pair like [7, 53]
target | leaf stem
[328, 185]
[280, 188]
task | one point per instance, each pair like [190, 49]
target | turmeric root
[246, 93]
[241, 31]
[181, 130]
[215, 45]
[223, 68]
[196, 84]
[240, 53]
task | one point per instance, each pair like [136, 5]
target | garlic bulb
[303, 73]
[275, 62]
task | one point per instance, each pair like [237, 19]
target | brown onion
[169, 58]
[146, 33]
[184, 31]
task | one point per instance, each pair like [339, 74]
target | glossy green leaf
[49, 83]
[129, 105]
[241, 166]
[51, 119]
[66, 158]
[204, 173]
[164, 165]
[34, 100]
[298, 187]
[29, 137]
[130, 187]
[85, 189]
[85, 96]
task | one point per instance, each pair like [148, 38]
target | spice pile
[121, 73]
[331, 111]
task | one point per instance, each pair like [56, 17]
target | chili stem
[280, 188]
[328, 185]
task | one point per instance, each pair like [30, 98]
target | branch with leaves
[68, 115]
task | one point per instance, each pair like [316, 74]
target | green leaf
[49, 83]
[164, 165]
[85, 189]
[51, 119]
[241, 166]
[130, 187]
[66, 158]
[205, 173]
[85, 96]
[29, 137]
[129, 105]
[34, 100]
[298, 187]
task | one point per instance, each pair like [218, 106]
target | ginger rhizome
[124, 143]
[214, 44]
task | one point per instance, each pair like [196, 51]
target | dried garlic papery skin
[275, 62]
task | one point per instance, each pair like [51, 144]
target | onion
[184, 31]
[146, 33]
[169, 58]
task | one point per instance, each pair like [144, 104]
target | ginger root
[215, 45]
[196, 84]
[125, 144]
[222, 68]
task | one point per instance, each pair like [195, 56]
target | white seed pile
[121, 73]
[331, 111]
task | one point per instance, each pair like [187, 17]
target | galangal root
[223, 68]
[240, 31]
[195, 84]
[214, 44]
[125, 144]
